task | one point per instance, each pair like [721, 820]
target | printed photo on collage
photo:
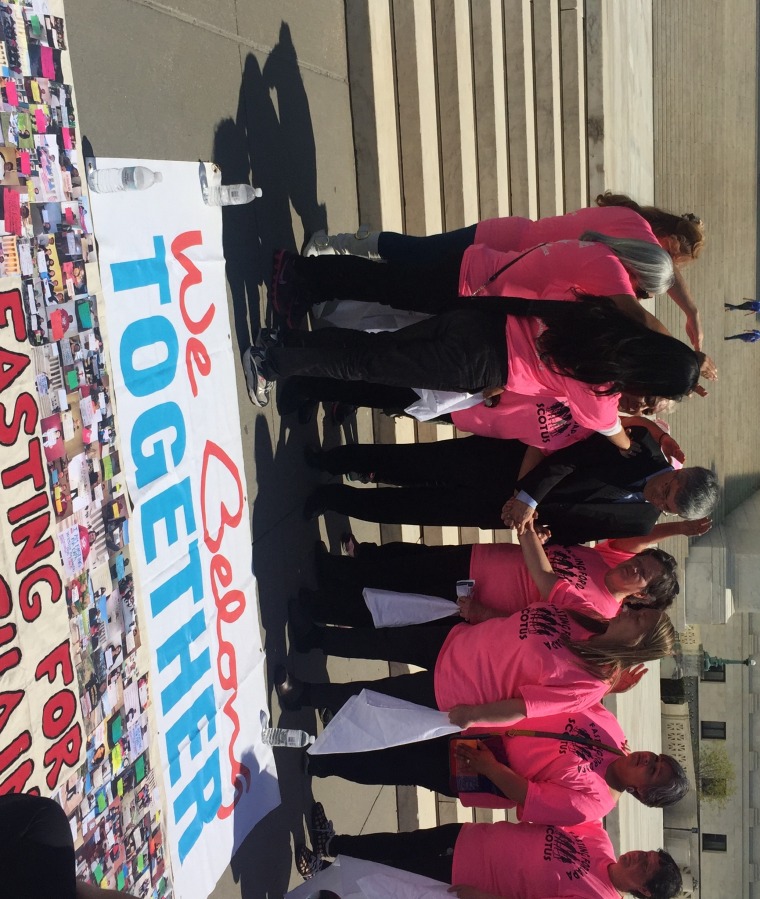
[112, 801]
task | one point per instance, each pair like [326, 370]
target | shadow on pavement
[271, 145]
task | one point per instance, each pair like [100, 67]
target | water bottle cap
[157, 176]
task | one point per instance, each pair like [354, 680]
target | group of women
[530, 332]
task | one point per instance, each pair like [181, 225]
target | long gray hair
[649, 263]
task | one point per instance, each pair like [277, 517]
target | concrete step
[467, 110]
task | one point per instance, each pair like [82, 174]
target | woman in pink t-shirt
[587, 352]
[682, 236]
[539, 661]
[508, 861]
[561, 769]
[603, 577]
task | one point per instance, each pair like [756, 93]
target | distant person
[748, 306]
[748, 336]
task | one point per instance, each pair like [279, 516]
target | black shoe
[308, 863]
[290, 691]
[304, 634]
[322, 830]
[266, 338]
[316, 504]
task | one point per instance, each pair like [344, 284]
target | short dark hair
[698, 494]
[666, 883]
[673, 791]
[664, 588]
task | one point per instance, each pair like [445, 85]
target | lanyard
[572, 738]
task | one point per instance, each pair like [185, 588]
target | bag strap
[572, 738]
[509, 264]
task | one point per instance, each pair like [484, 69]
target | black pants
[462, 482]
[421, 287]
[423, 764]
[463, 350]
[355, 393]
[36, 849]
[427, 852]
[430, 249]
[415, 645]
[406, 567]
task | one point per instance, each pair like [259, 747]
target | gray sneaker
[258, 386]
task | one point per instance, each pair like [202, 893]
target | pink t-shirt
[553, 272]
[544, 422]
[535, 861]
[517, 233]
[566, 781]
[502, 580]
[521, 656]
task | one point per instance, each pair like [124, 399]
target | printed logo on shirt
[554, 421]
[544, 621]
[589, 758]
[569, 850]
[569, 565]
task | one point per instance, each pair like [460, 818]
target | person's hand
[695, 528]
[463, 715]
[542, 531]
[516, 514]
[628, 678]
[472, 610]
[672, 450]
[694, 330]
[478, 758]
[467, 892]
[707, 368]
[633, 450]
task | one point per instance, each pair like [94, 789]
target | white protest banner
[163, 280]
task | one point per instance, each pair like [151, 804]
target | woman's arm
[661, 532]
[537, 562]
[680, 295]
[532, 457]
[620, 439]
[506, 711]
[668, 444]
[463, 891]
[631, 307]
[481, 760]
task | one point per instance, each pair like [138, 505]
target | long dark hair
[592, 341]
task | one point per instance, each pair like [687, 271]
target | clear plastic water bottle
[231, 194]
[131, 177]
[283, 736]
